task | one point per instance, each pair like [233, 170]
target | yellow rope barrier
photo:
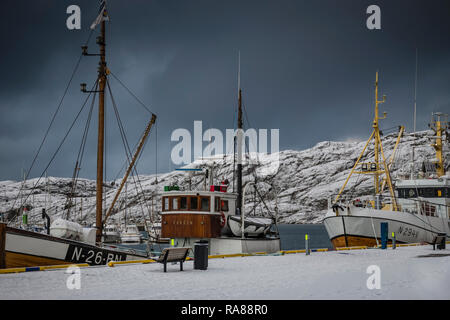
[40, 268]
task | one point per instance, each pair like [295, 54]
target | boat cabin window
[216, 204]
[174, 203]
[183, 203]
[186, 203]
[220, 205]
[194, 203]
[407, 193]
[423, 192]
[428, 209]
[165, 204]
[204, 204]
[428, 192]
[224, 205]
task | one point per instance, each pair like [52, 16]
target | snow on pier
[405, 273]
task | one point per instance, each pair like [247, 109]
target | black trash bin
[441, 243]
[201, 255]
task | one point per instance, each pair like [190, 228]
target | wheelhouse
[196, 214]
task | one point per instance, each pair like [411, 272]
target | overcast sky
[307, 68]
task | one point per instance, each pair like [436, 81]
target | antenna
[415, 97]
[415, 111]
[239, 71]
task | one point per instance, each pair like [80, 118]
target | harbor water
[292, 238]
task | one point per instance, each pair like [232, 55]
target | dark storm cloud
[307, 68]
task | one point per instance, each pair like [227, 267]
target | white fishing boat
[253, 226]
[131, 234]
[155, 230]
[111, 234]
[154, 233]
[417, 209]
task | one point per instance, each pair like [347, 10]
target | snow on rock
[299, 183]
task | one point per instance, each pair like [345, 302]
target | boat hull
[234, 245]
[111, 238]
[131, 239]
[362, 227]
[22, 248]
[252, 227]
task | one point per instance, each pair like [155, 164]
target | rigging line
[129, 91]
[80, 155]
[55, 113]
[253, 172]
[156, 153]
[60, 145]
[124, 164]
[134, 169]
[248, 122]
[126, 145]
[127, 161]
[120, 125]
[57, 109]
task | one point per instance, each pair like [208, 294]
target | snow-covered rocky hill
[299, 183]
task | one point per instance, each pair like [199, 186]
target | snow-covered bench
[439, 240]
[173, 255]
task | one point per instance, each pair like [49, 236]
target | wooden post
[2, 245]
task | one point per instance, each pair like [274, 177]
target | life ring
[222, 219]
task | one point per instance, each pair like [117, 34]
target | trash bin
[201, 255]
[441, 244]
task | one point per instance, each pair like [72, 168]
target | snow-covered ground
[322, 275]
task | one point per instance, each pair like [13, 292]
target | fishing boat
[154, 233]
[216, 215]
[111, 234]
[253, 226]
[416, 209]
[131, 234]
[67, 242]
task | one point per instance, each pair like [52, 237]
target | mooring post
[306, 245]
[384, 234]
[2, 245]
[393, 240]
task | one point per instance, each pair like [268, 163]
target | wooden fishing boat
[216, 215]
[22, 248]
[68, 243]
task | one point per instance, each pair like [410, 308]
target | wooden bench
[439, 240]
[173, 255]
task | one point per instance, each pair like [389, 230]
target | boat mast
[377, 133]
[239, 143]
[375, 167]
[415, 112]
[439, 126]
[101, 132]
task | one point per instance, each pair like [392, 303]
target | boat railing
[412, 205]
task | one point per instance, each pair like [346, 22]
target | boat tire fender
[223, 220]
